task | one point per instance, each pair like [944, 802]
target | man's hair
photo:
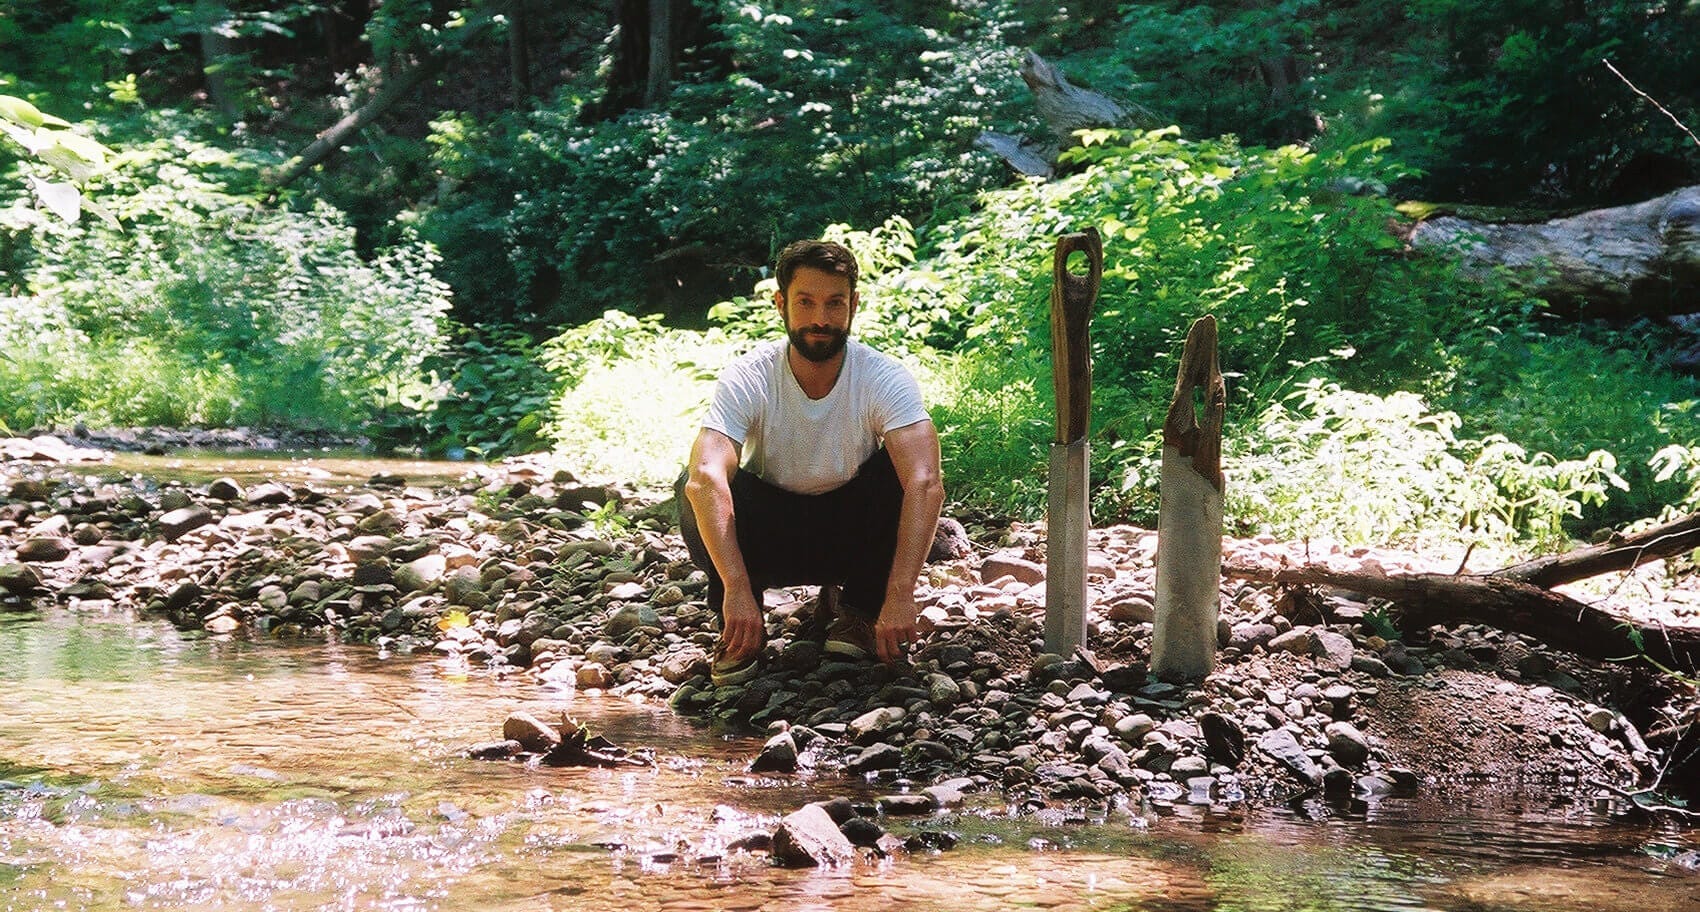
[823, 255]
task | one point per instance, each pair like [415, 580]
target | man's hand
[895, 628]
[741, 632]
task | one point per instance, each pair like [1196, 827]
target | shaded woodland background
[487, 228]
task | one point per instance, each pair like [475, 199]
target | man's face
[817, 309]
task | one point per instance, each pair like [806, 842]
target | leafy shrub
[1571, 395]
[489, 396]
[828, 114]
[631, 393]
[244, 314]
[1359, 469]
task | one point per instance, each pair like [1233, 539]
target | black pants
[844, 537]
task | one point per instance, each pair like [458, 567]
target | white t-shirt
[805, 445]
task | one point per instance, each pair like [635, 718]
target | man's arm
[714, 459]
[914, 453]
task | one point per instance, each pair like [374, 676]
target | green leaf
[21, 112]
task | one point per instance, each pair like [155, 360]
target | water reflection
[140, 769]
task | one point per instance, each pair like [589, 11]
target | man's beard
[818, 350]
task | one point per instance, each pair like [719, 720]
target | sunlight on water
[143, 770]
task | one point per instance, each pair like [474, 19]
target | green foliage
[1360, 468]
[1680, 464]
[488, 398]
[631, 392]
[1490, 102]
[827, 114]
[209, 309]
[1574, 394]
[62, 158]
[1301, 275]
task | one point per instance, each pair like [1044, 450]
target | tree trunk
[1066, 108]
[661, 51]
[392, 91]
[218, 52]
[1512, 598]
[1634, 260]
[519, 53]
[1189, 524]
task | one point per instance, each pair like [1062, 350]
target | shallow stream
[143, 769]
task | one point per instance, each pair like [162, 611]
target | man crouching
[816, 464]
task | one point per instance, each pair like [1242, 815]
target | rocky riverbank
[521, 569]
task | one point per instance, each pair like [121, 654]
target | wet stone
[875, 757]
[18, 579]
[906, 805]
[1284, 747]
[862, 831]
[808, 837]
[530, 733]
[778, 755]
[225, 489]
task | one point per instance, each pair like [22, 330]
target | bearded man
[816, 464]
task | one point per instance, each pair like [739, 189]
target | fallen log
[1066, 108]
[1620, 553]
[1638, 260]
[1425, 599]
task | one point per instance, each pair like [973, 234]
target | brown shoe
[850, 636]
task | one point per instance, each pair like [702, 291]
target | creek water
[144, 768]
[141, 768]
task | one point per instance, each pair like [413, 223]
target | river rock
[862, 832]
[44, 550]
[909, 805]
[183, 520]
[1346, 744]
[1224, 741]
[808, 838]
[1247, 636]
[272, 598]
[172, 499]
[463, 586]
[1131, 608]
[1282, 745]
[950, 542]
[778, 755]
[679, 667]
[374, 572]
[421, 574]
[368, 547]
[875, 757]
[225, 489]
[382, 522]
[530, 732]
[594, 676]
[872, 724]
[629, 618]
[18, 579]
[1006, 563]
[942, 690]
[1333, 651]
[269, 494]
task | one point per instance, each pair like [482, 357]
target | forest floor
[523, 569]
